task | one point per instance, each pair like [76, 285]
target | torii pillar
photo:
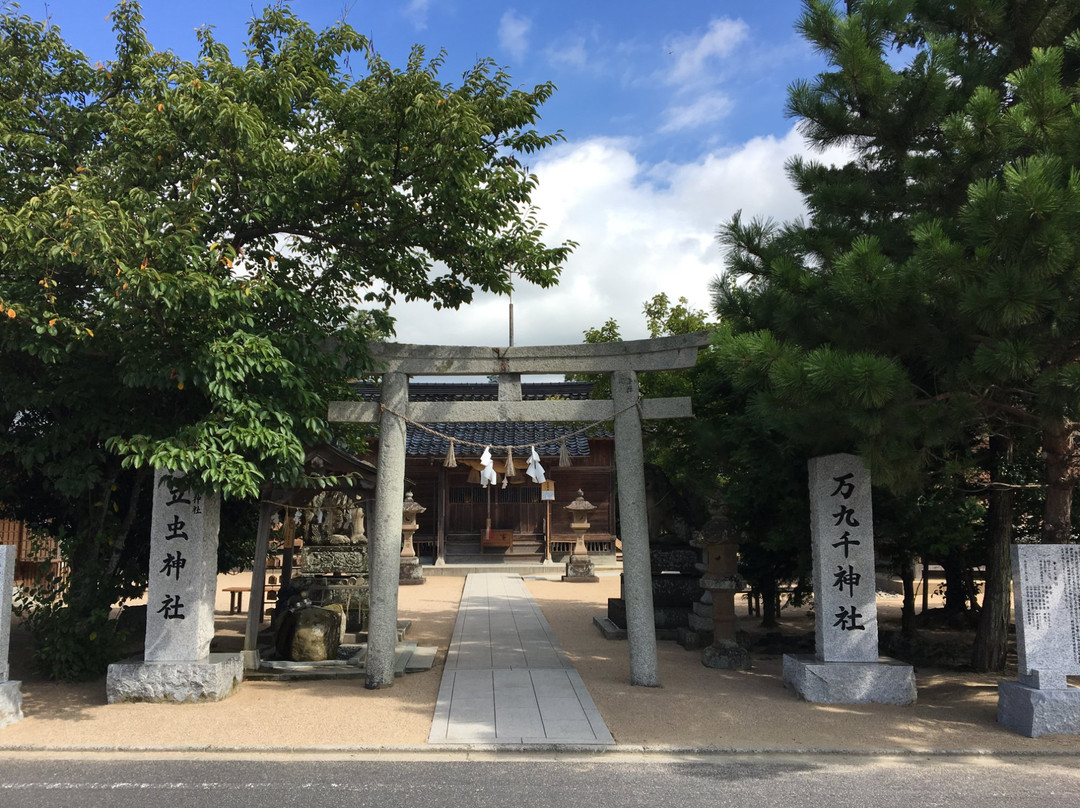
[622, 360]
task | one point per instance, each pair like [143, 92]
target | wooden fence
[31, 553]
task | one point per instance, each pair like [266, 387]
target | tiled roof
[545, 436]
[542, 435]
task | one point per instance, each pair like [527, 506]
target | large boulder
[309, 634]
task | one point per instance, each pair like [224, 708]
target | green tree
[668, 444]
[196, 253]
[913, 315]
[725, 450]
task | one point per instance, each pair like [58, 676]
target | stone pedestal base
[211, 679]
[1032, 712]
[10, 702]
[580, 569]
[693, 640]
[411, 572]
[701, 618]
[609, 629]
[331, 560]
[886, 681]
[728, 655]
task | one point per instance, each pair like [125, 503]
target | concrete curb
[526, 751]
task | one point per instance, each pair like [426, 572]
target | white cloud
[417, 11]
[698, 67]
[703, 109]
[694, 56]
[514, 34]
[568, 53]
[641, 229]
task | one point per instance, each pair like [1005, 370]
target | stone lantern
[720, 540]
[411, 571]
[580, 568]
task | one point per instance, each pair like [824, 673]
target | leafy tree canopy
[936, 269]
[924, 312]
[187, 245]
[196, 253]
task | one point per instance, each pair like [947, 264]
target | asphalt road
[553, 782]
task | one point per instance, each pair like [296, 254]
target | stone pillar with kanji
[846, 668]
[177, 664]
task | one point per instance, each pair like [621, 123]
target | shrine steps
[456, 566]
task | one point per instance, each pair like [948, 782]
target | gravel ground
[695, 706]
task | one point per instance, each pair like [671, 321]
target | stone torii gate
[622, 360]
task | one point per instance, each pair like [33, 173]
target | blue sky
[673, 115]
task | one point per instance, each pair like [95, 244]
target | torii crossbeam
[622, 360]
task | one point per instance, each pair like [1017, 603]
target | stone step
[422, 659]
[403, 653]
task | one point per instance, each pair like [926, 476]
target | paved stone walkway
[506, 680]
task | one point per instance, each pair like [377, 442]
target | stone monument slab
[183, 573]
[7, 589]
[842, 530]
[10, 691]
[1046, 594]
[846, 668]
[1046, 591]
[177, 664]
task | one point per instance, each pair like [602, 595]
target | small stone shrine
[579, 567]
[10, 691]
[846, 668]
[334, 559]
[177, 664]
[675, 568]
[676, 590]
[1046, 594]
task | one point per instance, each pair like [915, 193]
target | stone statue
[337, 513]
[357, 534]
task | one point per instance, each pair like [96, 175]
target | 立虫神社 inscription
[177, 664]
[178, 626]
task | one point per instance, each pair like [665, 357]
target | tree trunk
[768, 603]
[956, 599]
[992, 635]
[1061, 473]
[907, 612]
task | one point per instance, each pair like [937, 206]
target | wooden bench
[236, 596]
